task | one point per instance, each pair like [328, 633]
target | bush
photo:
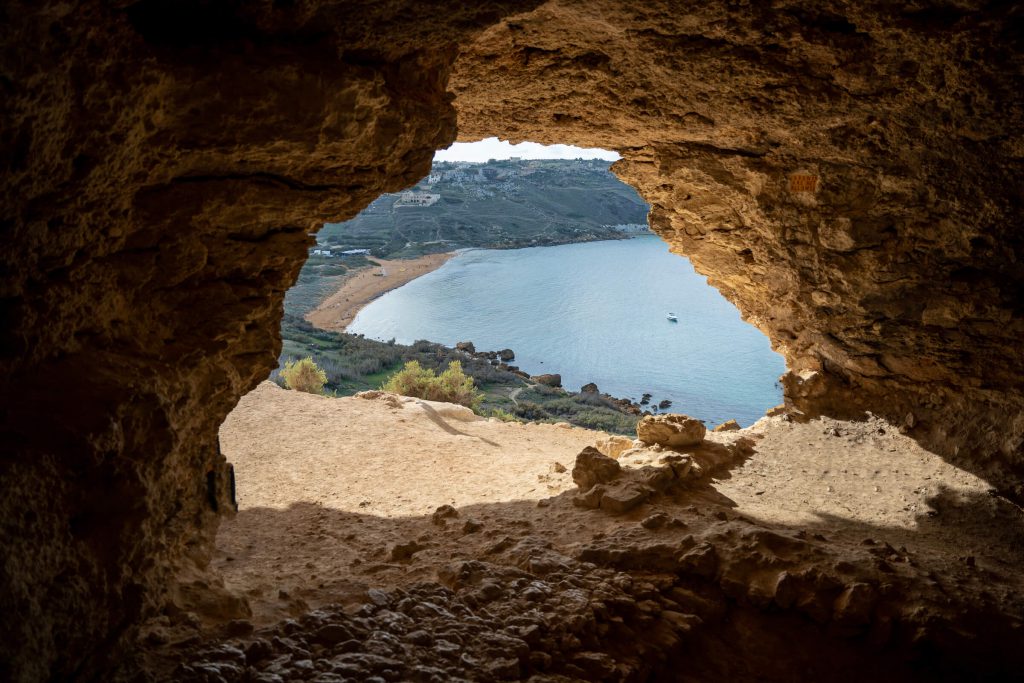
[304, 375]
[451, 386]
[503, 415]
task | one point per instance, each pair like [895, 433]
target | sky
[493, 148]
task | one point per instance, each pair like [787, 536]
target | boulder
[727, 426]
[506, 355]
[614, 446]
[554, 380]
[664, 404]
[466, 346]
[590, 388]
[591, 499]
[672, 429]
[594, 467]
[621, 499]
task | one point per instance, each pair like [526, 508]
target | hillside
[353, 363]
[500, 204]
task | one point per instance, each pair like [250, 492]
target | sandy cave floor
[328, 487]
[337, 499]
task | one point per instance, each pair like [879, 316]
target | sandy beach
[339, 309]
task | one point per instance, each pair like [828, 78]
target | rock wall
[846, 173]
[164, 165]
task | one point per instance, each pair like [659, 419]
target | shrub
[503, 415]
[451, 386]
[304, 375]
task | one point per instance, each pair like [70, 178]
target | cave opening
[448, 270]
[836, 173]
[537, 274]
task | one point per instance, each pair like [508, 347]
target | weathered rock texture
[163, 164]
[847, 173]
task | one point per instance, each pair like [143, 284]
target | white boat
[673, 318]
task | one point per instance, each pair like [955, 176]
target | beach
[338, 310]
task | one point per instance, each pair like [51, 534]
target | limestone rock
[622, 498]
[614, 446]
[673, 430]
[552, 380]
[403, 552]
[591, 498]
[727, 426]
[590, 388]
[163, 211]
[443, 513]
[594, 467]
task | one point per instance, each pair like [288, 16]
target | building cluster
[323, 251]
[416, 199]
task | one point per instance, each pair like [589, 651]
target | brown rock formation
[847, 173]
[671, 430]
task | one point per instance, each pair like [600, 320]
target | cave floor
[831, 540]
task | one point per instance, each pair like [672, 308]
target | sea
[594, 312]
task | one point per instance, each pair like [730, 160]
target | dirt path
[339, 309]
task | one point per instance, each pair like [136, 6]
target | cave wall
[846, 173]
[165, 164]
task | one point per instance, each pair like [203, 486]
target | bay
[594, 312]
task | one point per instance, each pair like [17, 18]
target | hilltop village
[499, 204]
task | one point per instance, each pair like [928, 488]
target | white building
[417, 199]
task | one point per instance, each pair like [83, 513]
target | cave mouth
[847, 177]
[538, 293]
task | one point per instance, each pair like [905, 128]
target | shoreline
[358, 290]
[337, 311]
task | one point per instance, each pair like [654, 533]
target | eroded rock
[594, 467]
[672, 430]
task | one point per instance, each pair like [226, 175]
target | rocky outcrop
[605, 483]
[727, 426]
[551, 380]
[614, 446]
[670, 430]
[846, 173]
[593, 467]
[840, 172]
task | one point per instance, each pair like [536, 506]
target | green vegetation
[353, 363]
[304, 375]
[501, 204]
[451, 386]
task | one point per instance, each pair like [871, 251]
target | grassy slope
[354, 363]
[551, 202]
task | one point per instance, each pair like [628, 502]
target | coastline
[337, 311]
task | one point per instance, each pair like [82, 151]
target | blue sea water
[594, 312]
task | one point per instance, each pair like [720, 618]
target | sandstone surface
[752, 543]
[670, 430]
[848, 174]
